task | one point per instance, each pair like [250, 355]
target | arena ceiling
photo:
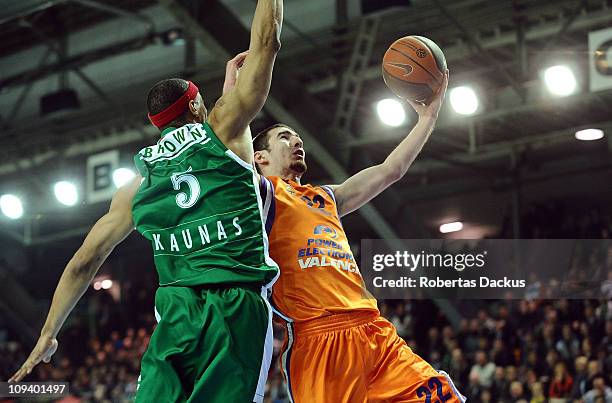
[520, 142]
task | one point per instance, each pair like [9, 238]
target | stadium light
[391, 112]
[560, 80]
[106, 284]
[451, 227]
[589, 134]
[464, 100]
[11, 206]
[66, 193]
[97, 285]
[121, 176]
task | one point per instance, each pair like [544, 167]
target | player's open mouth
[300, 153]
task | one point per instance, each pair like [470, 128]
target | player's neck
[291, 176]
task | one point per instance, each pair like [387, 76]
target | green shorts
[210, 345]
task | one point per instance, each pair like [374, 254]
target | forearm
[400, 159]
[369, 183]
[267, 23]
[77, 276]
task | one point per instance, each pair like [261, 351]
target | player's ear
[194, 107]
[261, 157]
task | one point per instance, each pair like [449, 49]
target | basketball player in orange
[337, 348]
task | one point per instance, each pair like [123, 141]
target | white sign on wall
[600, 59]
[100, 168]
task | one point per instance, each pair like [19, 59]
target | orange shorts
[358, 357]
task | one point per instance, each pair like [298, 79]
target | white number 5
[182, 199]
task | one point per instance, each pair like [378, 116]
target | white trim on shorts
[286, 356]
[459, 396]
[267, 353]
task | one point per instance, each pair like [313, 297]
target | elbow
[271, 39]
[393, 173]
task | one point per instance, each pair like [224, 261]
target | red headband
[166, 116]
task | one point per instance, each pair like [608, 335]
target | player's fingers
[16, 376]
[19, 375]
[239, 57]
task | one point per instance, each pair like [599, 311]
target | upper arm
[361, 188]
[114, 226]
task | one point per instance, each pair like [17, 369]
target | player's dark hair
[261, 141]
[165, 93]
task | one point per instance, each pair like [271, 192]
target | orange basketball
[413, 68]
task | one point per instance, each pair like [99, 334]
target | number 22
[434, 383]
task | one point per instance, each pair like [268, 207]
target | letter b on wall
[100, 168]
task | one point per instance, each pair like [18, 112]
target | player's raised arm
[236, 109]
[369, 183]
[110, 230]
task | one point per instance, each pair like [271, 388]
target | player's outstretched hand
[44, 349]
[231, 71]
[432, 110]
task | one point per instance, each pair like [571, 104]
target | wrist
[426, 119]
[48, 333]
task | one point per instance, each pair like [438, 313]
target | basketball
[413, 68]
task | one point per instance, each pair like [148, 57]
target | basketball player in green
[197, 201]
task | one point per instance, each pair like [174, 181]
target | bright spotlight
[11, 206]
[560, 80]
[391, 112]
[451, 227]
[97, 285]
[106, 284]
[464, 100]
[66, 193]
[122, 176]
[589, 134]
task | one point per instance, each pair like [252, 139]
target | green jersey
[200, 207]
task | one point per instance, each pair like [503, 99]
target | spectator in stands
[580, 378]
[593, 370]
[458, 368]
[600, 392]
[568, 345]
[486, 396]
[517, 392]
[562, 383]
[537, 393]
[483, 370]
[500, 387]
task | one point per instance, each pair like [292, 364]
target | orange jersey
[319, 275]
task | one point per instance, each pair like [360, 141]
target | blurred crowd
[506, 351]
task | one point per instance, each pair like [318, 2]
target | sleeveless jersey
[200, 207]
[319, 275]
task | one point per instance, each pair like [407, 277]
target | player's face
[286, 152]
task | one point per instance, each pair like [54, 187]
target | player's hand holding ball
[414, 68]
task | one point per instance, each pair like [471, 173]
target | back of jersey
[200, 207]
